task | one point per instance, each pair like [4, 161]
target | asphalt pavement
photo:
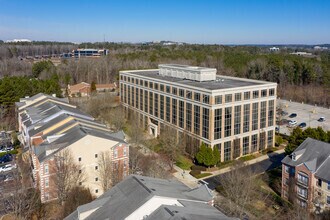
[272, 162]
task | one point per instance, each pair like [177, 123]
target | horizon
[198, 22]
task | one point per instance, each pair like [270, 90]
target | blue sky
[193, 21]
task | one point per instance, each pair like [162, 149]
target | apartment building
[144, 198]
[306, 176]
[235, 115]
[49, 126]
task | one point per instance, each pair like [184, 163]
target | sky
[191, 21]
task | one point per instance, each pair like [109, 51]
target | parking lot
[305, 113]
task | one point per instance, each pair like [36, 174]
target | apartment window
[302, 192]
[136, 97]
[168, 109]
[174, 113]
[189, 94]
[286, 169]
[46, 168]
[197, 96]
[237, 120]
[162, 87]
[181, 114]
[228, 115]
[188, 116]
[141, 82]
[46, 182]
[270, 113]
[254, 143]
[96, 179]
[303, 179]
[218, 99]
[228, 98]
[136, 81]
[264, 93]
[238, 97]
[129, 95]
[246, 118]
[156, 86]
[255, 94]
[227, 151]
[95, 155]
[217, 123]
[205, 130]
[125, 151]
[270, 138]
[156, 105]
[247, 95]
[121, 77]
[181, 92]
[96, 191]
[115, 153]
[196, 119]
[79, 159]
[80, 171]
[161, 106]
[141, 99]
[168, 89]
[254, 116]
[146, 84]
[174, 91]
[124, 78]
[271, 92]
[263, 109]
[206, 99]
[146, 101]
[96, 167]
[151, 103]
[129, 79]
[245, 145]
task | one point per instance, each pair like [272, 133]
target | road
[258, 168]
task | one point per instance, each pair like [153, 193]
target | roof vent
[294, 157]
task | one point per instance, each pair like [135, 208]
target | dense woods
[305, 79]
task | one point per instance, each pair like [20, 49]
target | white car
[7, 167]
[292, 122]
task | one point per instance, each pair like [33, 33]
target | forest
[302, 79]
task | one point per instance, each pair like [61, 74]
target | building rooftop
[314, 154]
[221, 82]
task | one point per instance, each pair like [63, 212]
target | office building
[235, 115]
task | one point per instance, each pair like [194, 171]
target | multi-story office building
[233, 114]
[306, 176]
[89, 53]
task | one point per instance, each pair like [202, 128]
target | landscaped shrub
[183, 162]
[196, 167]
[194, 173]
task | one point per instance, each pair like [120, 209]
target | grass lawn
[248, 157]
[203, 175]
[184, 163]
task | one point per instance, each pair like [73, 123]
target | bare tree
[115, 117]
[68, 174]
[135, 130]
[106, 170]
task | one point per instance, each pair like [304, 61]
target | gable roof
[314, 154]
[78, 87]
[127, 196]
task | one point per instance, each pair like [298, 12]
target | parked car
[7, 167]
[277, 129]
[6, 158]
[302, 125]
[322, 119]
[292, 122]
[293, 115]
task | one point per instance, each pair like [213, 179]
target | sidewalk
[184, 177]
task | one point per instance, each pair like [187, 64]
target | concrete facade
[235, 115]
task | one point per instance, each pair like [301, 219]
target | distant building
[320, 48]
[273, 49]
[146, 198]
[18, 41]
[78, 53]
[301, 54]
[84, 89]
[234, 115]
[306, 175]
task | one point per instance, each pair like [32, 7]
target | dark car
[302, 125]
[293, 115]
[322, 119]
[6, 158]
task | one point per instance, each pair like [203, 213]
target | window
[302, 203]
[247, 95]
[162, 87]
[302, 192]
[206, 99]
[125, 164]
[188, 116]
[286, 181]
[96, 179]
[96, 167]
[228, 115]
[168, 89]
[197, 119]
[146, 101]
[270, 138]
[181, 92]
[141, 82]
[156, 86]
[125, 151]
[246, 145]
[181, 114]
[264, 93]
[271, 92]
[95, 155]
[303, 179]
[145, 83]
[205, 127]
[270, 113]
[197, 96]
[218, 99]
[263, 109]
[174, 113]
[46, 169]
[319, 182]
[168, 109]
[228, 98]
[161, 106]
[255, 94]
[254, 116]
[156, 105]
[217, 123]
[188, 94]
[141, 99]
[47, 196]
[174, 91]
[254, 143]
[80, 171]
[79, 159]
[115, 153]
[237, 120]
[80, 183]
[46, 182]
[238, 97]
[96, 191]
[286, 169]
[151, 103]
[246, 118]
[227, 151]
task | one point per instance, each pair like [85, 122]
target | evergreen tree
[93, 87]
[209, 161]
[201, 155]
[216, 156]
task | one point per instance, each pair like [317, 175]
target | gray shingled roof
[315, 155]
[131, 193]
